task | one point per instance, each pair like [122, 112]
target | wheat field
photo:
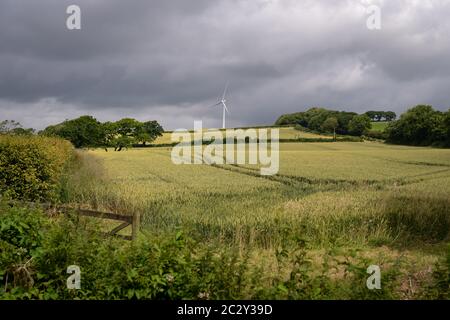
[345, 192]
[285, 133]
[389, 202]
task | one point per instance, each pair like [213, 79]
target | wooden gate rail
[128, 220]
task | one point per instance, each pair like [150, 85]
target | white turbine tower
[222, 102]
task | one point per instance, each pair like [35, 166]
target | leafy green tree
[359, 125]
[446, 124]
[372, 115]
[149, 131]
[86, 131]
[109, 134]
[83, 132]
[381, 115]
[125, 133]
[390, 116]
[7, 125]
[344, 119]
[121, 142]
[22, 131]
[421, 125]
[127, 127]
[330, 125]
[293, 118]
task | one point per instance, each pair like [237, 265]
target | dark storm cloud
[169, 60]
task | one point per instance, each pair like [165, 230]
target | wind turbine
[222, 102]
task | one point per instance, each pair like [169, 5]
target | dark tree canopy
[359, 125]
[381, 115]
[421, 125]
[314, 119]
[149, 131]
[86, 132]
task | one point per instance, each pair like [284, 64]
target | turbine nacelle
[222, 102]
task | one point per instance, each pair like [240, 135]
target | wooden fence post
[135, 226]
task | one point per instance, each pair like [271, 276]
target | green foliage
[381, 115]
[31, 168]
[84, 131]
[355, 268]
[421, 125]
[330, 124]
[149, 131]
[87, 132]
[375, 135]
[440, 286]
[36, 250]
[21, 234]
[359, 125]
[323, 120]
[317, 119]
[289, 119]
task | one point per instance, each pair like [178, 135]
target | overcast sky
[169, 60]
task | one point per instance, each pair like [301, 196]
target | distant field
[285, 133]
[379, 126]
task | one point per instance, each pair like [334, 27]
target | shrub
[21, 234]
[422, 126]
[31, 167]
[375, 135]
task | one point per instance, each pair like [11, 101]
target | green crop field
[285, 133]
[388, 201]
[379, 126]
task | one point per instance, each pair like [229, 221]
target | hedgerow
[31, 168]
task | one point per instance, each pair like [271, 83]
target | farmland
[227, 232]
[385, 200]
[379, 126]
[289, 133]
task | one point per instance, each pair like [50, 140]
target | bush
[440, 285]
[21, 234]
[375, 135]
[31, 168]
[421, 126]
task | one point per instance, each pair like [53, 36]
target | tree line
[378, 116]
[13, 127]
[88, 132]
[328, 121]
[421, 126]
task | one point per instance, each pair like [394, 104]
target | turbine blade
[225, 91]
[225, 106]
[217, 104]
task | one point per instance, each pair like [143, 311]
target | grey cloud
[169, 60]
